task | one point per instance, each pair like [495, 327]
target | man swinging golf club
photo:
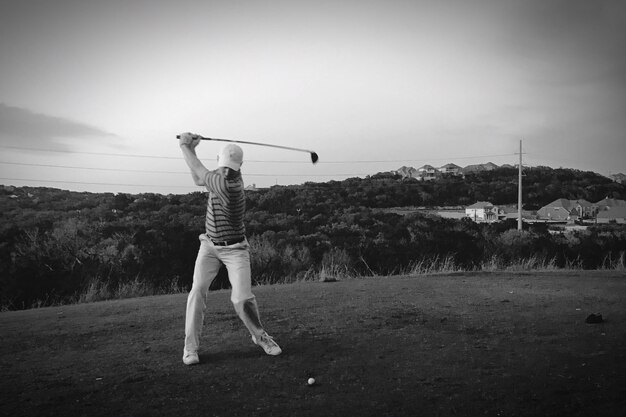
[223, 242]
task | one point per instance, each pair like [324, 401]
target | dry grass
[335, 268]
[99, 290]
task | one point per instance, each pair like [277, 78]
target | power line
[333, 176]
[390, 184]
[92, 183]
[414, 160]
[92, 168]
[128, 155]
[140, 171]
[88, 153]
[123, 155]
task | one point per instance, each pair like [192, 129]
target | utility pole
[519, 189]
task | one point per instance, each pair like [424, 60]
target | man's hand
[189, 139]
[188, 142]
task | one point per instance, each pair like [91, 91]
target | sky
[93, 93]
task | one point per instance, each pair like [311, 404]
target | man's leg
[237, 261]
[206, 268]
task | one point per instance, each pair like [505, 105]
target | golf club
[314, 157]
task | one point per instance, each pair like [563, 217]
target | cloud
[24, 128]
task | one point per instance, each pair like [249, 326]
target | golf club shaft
[313, 154]
[260, 144]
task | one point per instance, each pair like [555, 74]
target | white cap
[230, 156]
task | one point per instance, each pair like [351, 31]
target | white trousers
[236, 258]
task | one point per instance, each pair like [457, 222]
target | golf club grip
[201, 137]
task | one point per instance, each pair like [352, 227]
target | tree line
[56, 244]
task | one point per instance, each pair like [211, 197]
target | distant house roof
[406, 172]
[610, 202]
[618, 212]
[569, 204]
[509, 209]
[480, 167]
[480, 204]
[425, 167]
[621, 178]
[559, 209]
[560, 202]
[473, 168]
[450, 166]
[556, 213]
[251, 188]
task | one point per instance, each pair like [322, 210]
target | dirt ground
[485, 344]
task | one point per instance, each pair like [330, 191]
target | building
[483, 211]
[615, 214]
[610, 210]
[563, 210]
[559, 211]
[407, 172]
[451, 169]
[427, 173]
[607, 203]
[512, 213]
[619, 178]
[470, 169]
[583, 208]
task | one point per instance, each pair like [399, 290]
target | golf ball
[311, 381]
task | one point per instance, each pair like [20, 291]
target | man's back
[226, 205]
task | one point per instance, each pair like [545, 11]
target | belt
[227, 242]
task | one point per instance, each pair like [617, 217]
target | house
[616, 214]
[511, 212]
[607, 203]
[452, 169]
[560, 210]
[619, 178]
[583, 208]
[407, 172]
[482, 211]
[427, 173]
[489, 166]
[564, 210]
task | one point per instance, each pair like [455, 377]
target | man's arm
[198, 170]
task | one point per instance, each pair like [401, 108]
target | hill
[439, 345]
[429, 172]
[59, 246]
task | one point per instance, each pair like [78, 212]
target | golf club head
[314, 157]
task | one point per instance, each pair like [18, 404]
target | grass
[618, 264]
[433, 265]
[533, 263]
[99, 289]
[456, 344]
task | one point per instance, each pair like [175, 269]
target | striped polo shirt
[226, 205]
